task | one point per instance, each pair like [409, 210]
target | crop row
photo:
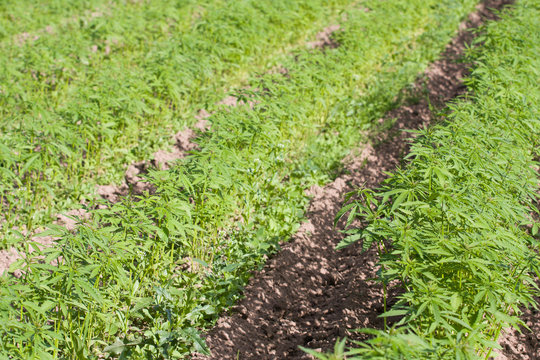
[21, 18]
[87, 97]
[148, 272]
[458, 227]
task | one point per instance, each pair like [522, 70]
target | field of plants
[458, 226]
[129, 73]
[289, 89]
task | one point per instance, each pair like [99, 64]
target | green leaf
[198, 342]
[395, 312]
[115, 348]
[401, 198]
[351, 239]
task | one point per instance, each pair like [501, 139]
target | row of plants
[87, 97]
[146, 274]
[21, 17]
[457, 227]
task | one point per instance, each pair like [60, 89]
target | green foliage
[148, 273]
[24, 19]
[81, 99]
[458, 216]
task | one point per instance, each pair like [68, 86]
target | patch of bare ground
[324, 39]
[309, 294]
[233, 101]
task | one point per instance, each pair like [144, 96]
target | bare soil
[523, 345]
[310, 294]
[324, 40]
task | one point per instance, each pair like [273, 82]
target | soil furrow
[309, 294]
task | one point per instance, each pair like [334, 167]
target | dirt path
[309, 294]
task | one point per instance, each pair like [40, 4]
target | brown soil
[8, 257]
[309, 294]
[234, 101]
[324, 39]
[525, 345]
